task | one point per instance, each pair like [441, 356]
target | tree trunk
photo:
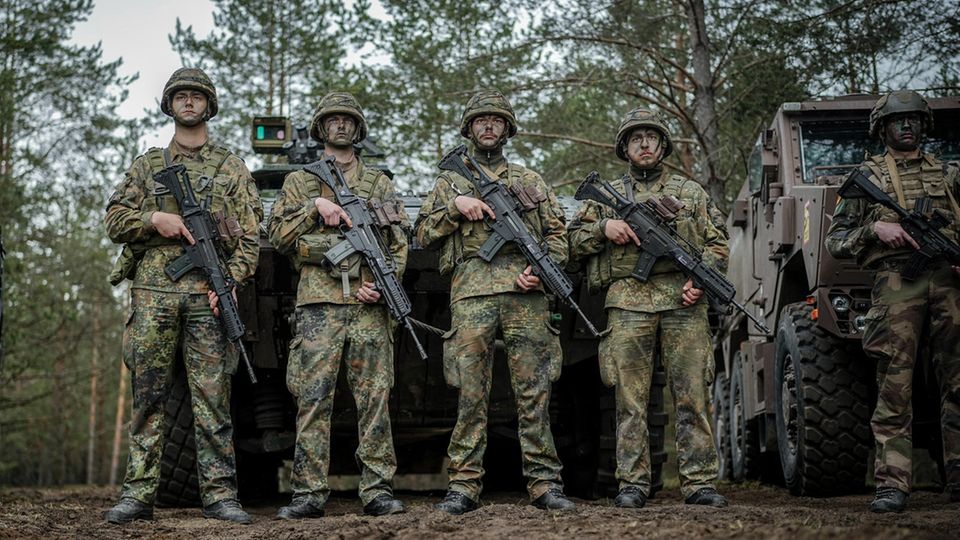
[705, 105]
[118, 425]
[94, 372]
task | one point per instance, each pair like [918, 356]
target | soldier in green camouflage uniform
[339, 318]
[500, 294]
[667, 302]
[168, 314]
[902, 309]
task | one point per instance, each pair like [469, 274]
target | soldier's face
[341, 129]
[644, 147]
[903, 132]
[189, 107]
[488, 131]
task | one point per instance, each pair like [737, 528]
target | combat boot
[127, 510]
[888, 499]
[456, 503]
[630, 497]
[227, 510]
[554, 499]
[382, 505]
[708, 497]
[301, 508]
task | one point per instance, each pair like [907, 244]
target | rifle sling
[895, 179]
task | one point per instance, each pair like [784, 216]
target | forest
[718, 70]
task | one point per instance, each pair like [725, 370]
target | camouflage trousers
[904, 313]
[534, 359]
[159, 323]
[360, 337]
[626, 361]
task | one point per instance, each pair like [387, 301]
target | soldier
[165, 313]
[502, 294]
[668, 302]
[339, 318]
[905, 313]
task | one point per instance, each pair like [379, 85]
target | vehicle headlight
[841, 304]
[860, 322]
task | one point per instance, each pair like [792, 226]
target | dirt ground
[755, 512]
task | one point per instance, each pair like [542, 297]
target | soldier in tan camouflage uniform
[145, 217]
[339, 318]
[667, 302]
[502, 294]
[904, 313]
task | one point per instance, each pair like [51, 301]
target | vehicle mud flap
[179, 484]
[822, 407]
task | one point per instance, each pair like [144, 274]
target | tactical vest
[467, 241]
[312, 247]
[617, 262]
[201, 177]
[931, 180]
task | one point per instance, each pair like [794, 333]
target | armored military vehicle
[422, 407]
[796, 404]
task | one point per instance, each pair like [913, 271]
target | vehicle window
[830, 148]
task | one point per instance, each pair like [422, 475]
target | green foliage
[270, 57]
[60, 149]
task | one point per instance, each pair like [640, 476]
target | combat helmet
[338, 103]
[900, 102]
[641, 117]
[488, 102]
[189, 79]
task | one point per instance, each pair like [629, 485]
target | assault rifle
[204, 254]
[509, 226]
[650, 221]
[364, 238]
[924, 230]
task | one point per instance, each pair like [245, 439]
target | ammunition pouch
[313, 249]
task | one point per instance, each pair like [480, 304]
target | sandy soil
[755, 512]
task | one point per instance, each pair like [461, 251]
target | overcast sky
[137, 30]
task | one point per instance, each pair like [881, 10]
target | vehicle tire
[720, 405]
[179, 485]
[607, 484]
[744, 440]
[822, 407]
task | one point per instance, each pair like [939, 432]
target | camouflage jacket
[611, 264]
[131, 207]
[297, 230]
[851, 234]
[440, 224]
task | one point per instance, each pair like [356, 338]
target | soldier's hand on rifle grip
[620, 233]
[215, 300]
[171, 226]
[527, 281]
[473, 209]
[893, 235]
[331, 213]
[690, 294]
[368, 294]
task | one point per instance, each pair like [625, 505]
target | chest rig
[473, 235]
[618, 262]
[928, 179]
[201, 177]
